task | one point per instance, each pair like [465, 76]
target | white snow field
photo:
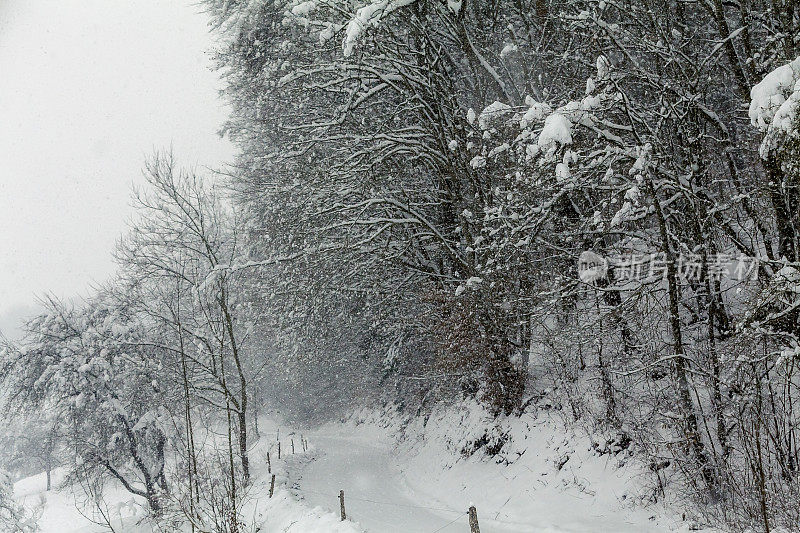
[544, 479]
[66, 509]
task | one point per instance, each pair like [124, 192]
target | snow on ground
[69, 510]
[413, 477]
[284, 512]
[376, 495]
[545, 478]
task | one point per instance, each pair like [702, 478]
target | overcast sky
[88, 89]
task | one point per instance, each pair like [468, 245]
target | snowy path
[391, 492]
[376, 494]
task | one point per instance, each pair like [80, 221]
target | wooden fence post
[272, 486]
[341, 505]
[473, 520]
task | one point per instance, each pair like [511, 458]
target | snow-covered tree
[419, 179]
[93, 368]
[13, 517]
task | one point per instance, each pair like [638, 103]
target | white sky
[88, 89]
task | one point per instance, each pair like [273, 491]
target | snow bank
[529, 473]
[283, 513]
[68, 509]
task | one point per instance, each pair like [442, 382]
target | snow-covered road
[377, 495]
[421, 487]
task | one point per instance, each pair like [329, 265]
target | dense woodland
[416, 183]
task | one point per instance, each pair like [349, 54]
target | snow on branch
[369, 15]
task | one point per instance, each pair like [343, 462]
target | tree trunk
[691, 426]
